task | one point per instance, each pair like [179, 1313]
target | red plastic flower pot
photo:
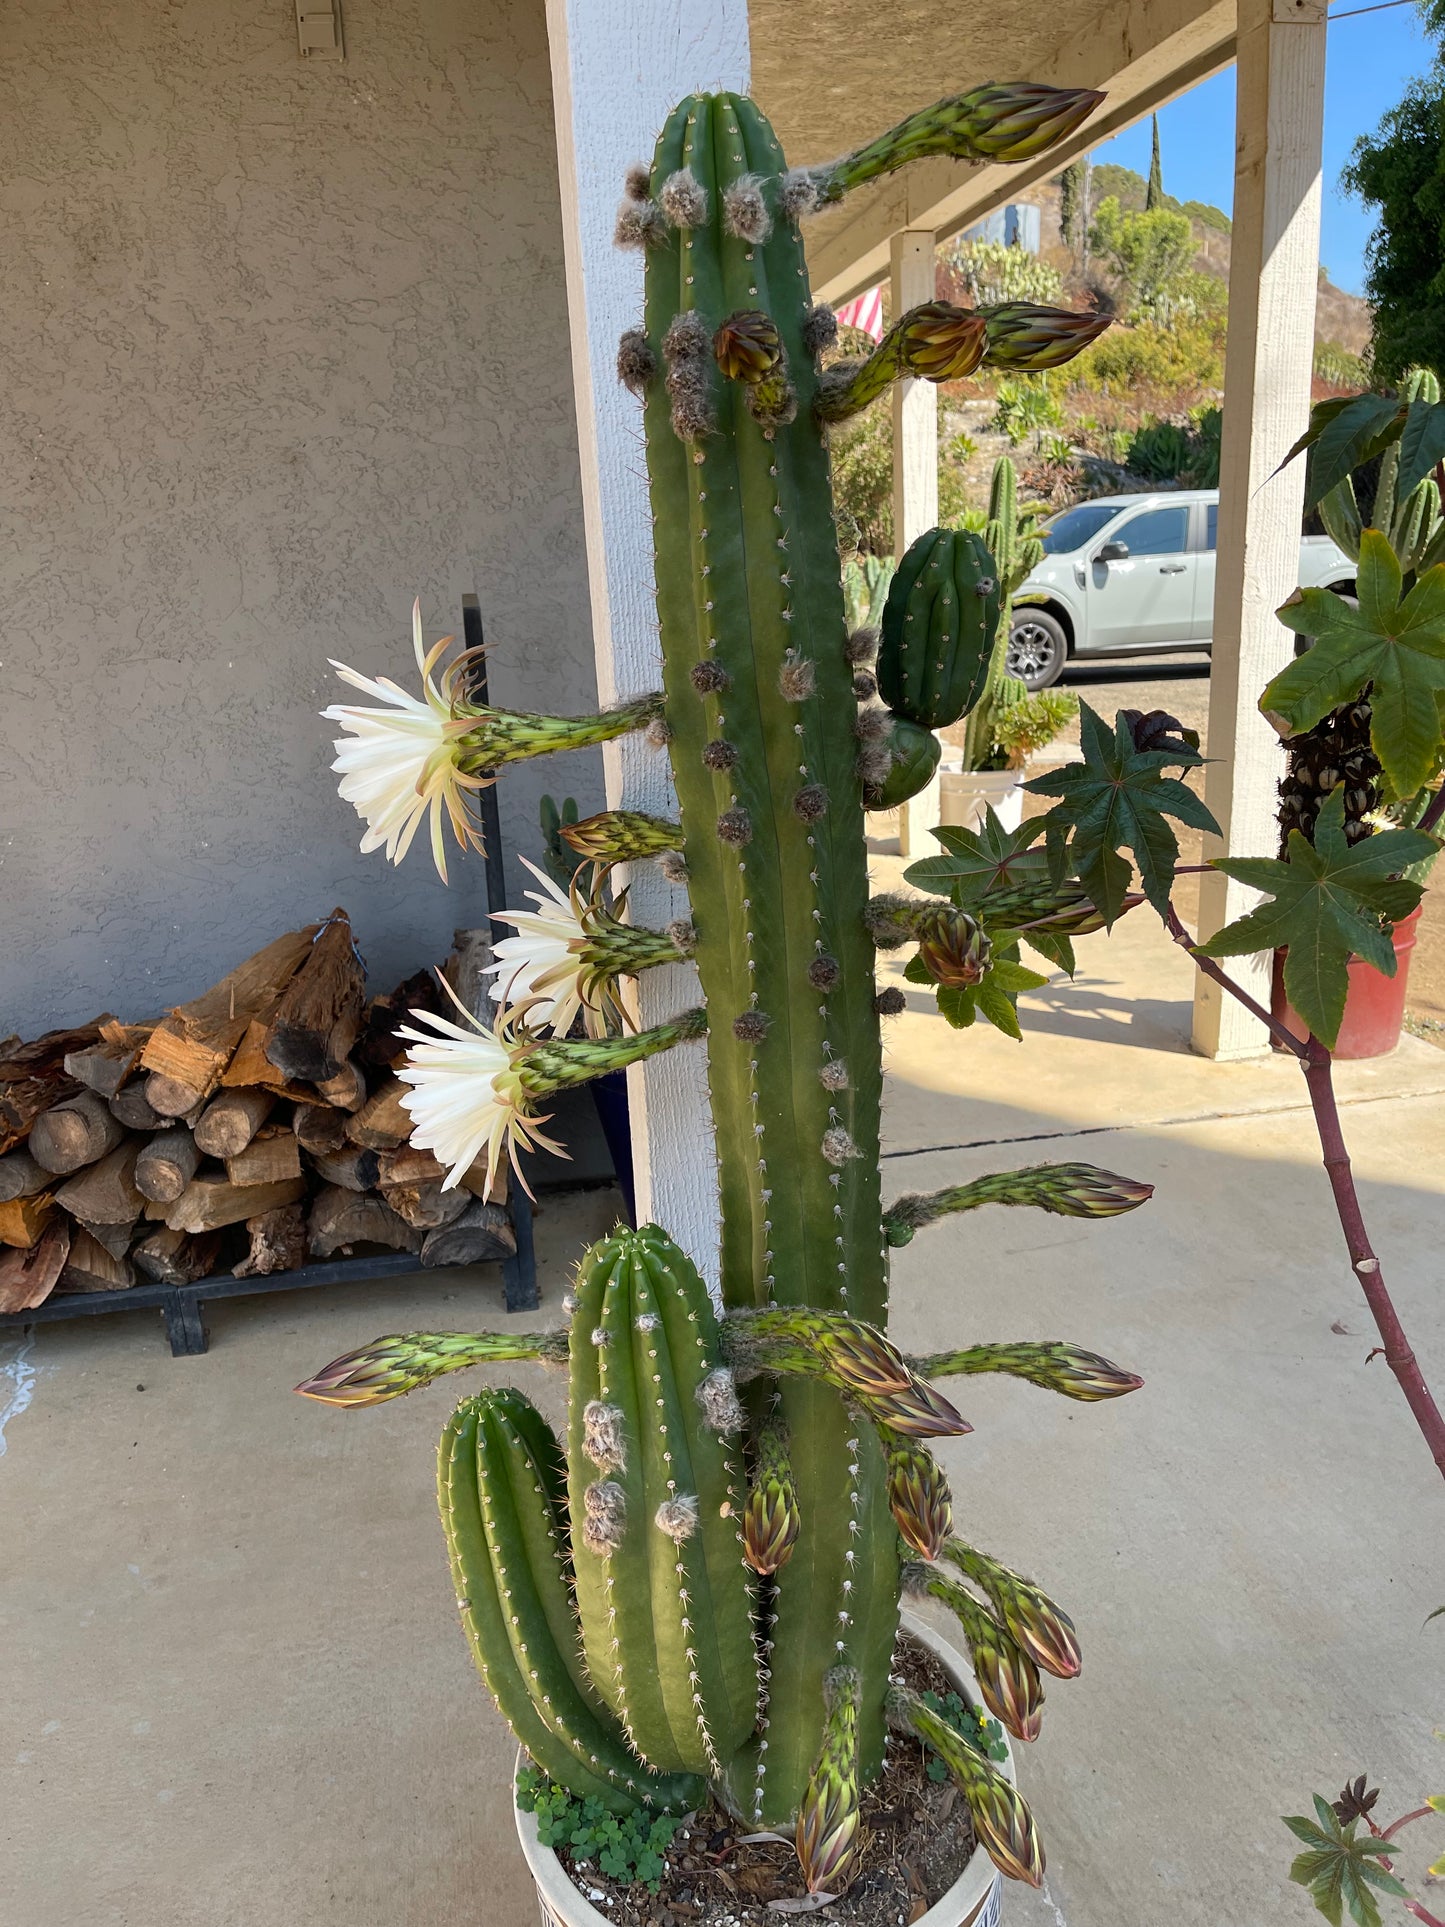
[1374, 1003]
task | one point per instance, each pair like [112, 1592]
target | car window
[1157, 532]
[1211, 537]
[1076, 526]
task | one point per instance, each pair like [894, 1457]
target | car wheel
[1038, 649]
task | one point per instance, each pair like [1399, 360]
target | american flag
[864, 311]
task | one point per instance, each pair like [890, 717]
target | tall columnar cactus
[709, 1591]
[1016, 552]
[1413, 524]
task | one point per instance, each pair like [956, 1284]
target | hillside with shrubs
[1138, 409]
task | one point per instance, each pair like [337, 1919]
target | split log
[278, 1242]
[28, 1277]
[21, 1177]
[341, 1219]
[425, 1204]
[193, 1043]
[33, 1077]
[410, 1165]
[271, 1155]
[173, 1097]
[132, 1108]
[90, 1267]
[103, 1068]
[23, 1219]
[73, 1133]
[347, 1090]
[481, 1235]
[114, 1237]
[106, 1193]
[381, 1124]
[166, 1164]
[319, 1016]
[176, 1258]
[319, 1129]
[380, 1047]
[231, 1120]
[352, 1168]
[208, 1203]
[251, 1066]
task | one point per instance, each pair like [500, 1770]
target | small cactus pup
[696, 1586]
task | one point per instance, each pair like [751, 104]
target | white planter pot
[974, 1899]
[964, 794]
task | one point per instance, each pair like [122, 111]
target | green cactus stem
[1044, 1630]
[939, 625]
[499, 1493]
[1001, 121]
[502, 736]
[1056, 1367]
[1069, 1190]
[936, 341]
[393, 1366]
[620, 836]
[1000, 1814]
[1016, 553]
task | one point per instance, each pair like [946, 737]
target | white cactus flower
[466, 1096]
[401, 764]
[541, 967]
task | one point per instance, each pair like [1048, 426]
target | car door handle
[1171, 568]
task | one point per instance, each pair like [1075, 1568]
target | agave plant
[699, 1584]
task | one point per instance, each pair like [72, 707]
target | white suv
[1128, 575]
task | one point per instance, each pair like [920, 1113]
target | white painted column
[1274, 269]
[915, 473]
[618, 67]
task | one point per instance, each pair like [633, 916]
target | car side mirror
[1113, 552]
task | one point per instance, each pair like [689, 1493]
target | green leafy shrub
[1024, 407]
[1184, 359]
[1147, 251]
[1033, 723]
[1186, 452]
[630, 1846]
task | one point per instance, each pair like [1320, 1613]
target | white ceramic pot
[974, 1899]
[964, 794]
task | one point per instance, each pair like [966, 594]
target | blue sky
[1368, 62]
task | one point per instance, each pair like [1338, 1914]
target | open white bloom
[401, 763]
[465, 1095]
[541, 965]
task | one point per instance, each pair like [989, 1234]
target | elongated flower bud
[918, 1413]
[919, 1496]
[557, 1064]
[1000, 1814]
[621, 836]
[952, 947]
[1070, 1190]
[1000, 121]
[1066, 1369]
[1043, 1629]
[390, 1367]
[1029, 338]
[770, 1518]
[829, 1833]
[934, 342]
[1007, 1677]
[848, 1354]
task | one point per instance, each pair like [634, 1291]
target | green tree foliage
[1149, 252]
[1400, 169]
[1154, 193]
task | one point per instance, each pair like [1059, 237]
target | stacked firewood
[251, 1130]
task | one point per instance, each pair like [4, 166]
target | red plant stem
[1317, 1064]
[1420, 1813]
[1430, 1920]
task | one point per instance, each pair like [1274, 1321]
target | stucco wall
[282, 343]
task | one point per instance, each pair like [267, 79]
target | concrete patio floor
[235, 1691]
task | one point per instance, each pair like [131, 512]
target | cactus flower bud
[621, 836]
[748, 346]
[390, 1367]
[1007, 1677]
[1057, 1367]
[941, 342]
[1044, 1630]
[952, 947]
[770, 1518]
[919, 1496]
[1024, 336]
[1000, 1815]
[829, 1835]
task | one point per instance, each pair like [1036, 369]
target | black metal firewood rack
[180, 1305]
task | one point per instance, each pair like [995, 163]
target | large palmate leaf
[1117, 799]
[1340, 1870]
[1396, 647]
[1422, 445]
[1003, 877]
[1329, 897]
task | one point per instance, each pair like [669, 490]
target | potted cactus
[693, 1592]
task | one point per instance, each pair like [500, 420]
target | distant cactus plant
[699, 1585]
[1412, 526]
[1017, 552]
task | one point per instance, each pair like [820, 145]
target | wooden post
[1274, 270]
[617, 70]
[915, 472]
